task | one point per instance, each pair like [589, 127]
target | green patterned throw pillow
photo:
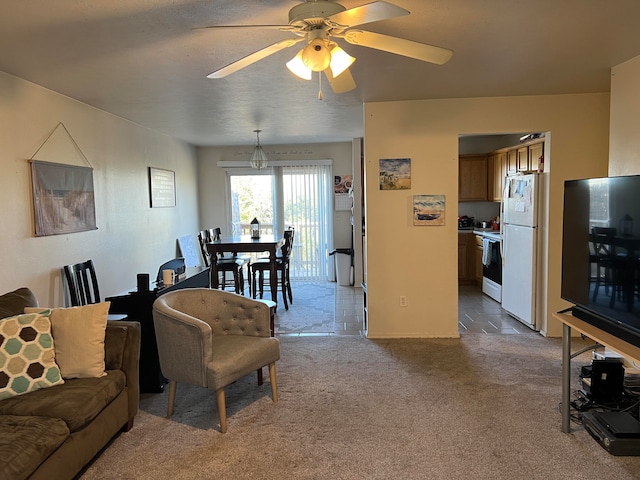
[27, 357]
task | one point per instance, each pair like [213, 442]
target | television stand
[627, 350]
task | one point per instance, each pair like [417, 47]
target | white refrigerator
[520, 214]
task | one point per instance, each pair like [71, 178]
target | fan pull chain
[320, 85]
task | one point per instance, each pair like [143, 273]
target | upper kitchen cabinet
[528, 155]
[472, 178]
[496, 171]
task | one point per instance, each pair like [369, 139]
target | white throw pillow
[78, 334]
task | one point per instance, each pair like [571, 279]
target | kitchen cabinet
[512, 161]
[523, 163]
[472, 178]
[466, 258]
[478, 260]
[496, 171]
[536, 151]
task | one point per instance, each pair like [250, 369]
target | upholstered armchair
[211, 338]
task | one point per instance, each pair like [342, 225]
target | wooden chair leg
[252, 281]
[222, 410]
[172, 397]
[261, 282]
[274, 385]
[289, 286]
[260, 379]
[283, 287]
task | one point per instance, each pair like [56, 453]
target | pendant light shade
[258, 157]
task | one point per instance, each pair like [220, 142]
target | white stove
[492, 265]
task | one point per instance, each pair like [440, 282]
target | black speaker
[607, 380]
[143, 282]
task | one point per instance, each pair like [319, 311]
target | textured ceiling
[147, 61]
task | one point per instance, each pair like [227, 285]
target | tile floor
[479, 313]
[321, 309]
[331, 309]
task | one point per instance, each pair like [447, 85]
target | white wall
[422, 261]
[212, 179]
[624, 149]
[131, 237]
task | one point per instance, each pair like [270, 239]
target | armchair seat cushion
[235, 356]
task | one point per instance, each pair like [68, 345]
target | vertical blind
[306, 191]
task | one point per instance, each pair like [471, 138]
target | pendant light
[258, 157]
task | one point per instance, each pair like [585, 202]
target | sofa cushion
[78, 333]
[25, 442]
[14, 303]
[27, 360]
[77, 402]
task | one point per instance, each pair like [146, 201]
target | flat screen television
[601, 252]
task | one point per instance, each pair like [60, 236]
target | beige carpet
[483, 407]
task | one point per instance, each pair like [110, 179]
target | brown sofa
[54, 432]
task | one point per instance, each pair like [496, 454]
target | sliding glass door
[288, 195]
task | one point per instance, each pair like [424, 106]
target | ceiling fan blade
[284, 28]
[254, 57]
[371, 12]
[399, 46]
[342, 83]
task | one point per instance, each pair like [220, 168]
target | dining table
[246, 244]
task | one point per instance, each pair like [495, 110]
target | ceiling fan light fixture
[298, 68]
[316, 55]
[258, 157]
[340, 61]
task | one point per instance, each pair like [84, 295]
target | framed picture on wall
[395, 173]
[162, 187]
[428, 209]
[63, 198]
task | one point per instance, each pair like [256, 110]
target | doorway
[284, 195]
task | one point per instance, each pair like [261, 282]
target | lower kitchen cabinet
[466, 258]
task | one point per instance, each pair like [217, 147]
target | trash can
[342, 258]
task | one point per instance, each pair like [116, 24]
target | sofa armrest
[122, 352]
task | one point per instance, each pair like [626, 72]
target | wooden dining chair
[82, 283]
[82, 286]
[260, 266]
[609, 265]
[223, 265]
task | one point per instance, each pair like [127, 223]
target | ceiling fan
[318, 23]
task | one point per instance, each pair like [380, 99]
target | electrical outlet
[403, 301]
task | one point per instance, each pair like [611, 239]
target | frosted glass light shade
[340, 61]
[298, 68]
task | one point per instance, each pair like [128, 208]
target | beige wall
[421, 262]
[131, 237]
[624, 150]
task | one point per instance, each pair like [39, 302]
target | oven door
[492, 269]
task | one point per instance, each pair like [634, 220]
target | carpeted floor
[479, 407]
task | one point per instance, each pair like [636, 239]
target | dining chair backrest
[287, 247]
[203, 239]
[82, 283]
[602, 239]
[177, 265]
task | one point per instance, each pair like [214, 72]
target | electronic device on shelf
[601, 253]
[617, 432]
